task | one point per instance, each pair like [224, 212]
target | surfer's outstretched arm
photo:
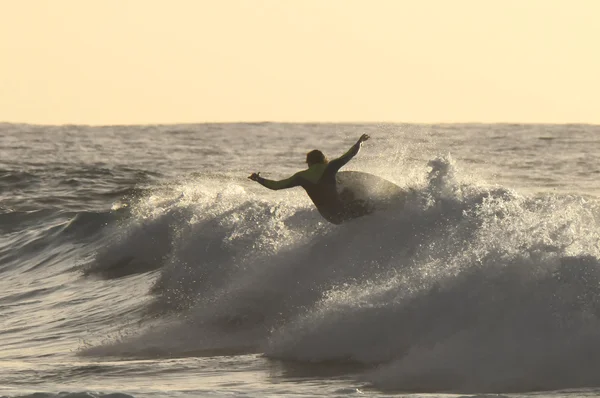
[293, 181]
[337, 164]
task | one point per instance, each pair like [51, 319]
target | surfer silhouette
[319, 182]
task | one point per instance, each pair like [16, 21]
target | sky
[194, 61]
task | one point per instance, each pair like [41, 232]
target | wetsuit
[320, 184]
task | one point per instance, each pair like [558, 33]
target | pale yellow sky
[186, 61]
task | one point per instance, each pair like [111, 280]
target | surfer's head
[315, 156]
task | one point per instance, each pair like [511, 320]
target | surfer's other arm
[293, 181]
[345, 158]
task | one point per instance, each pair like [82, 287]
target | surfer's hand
[254, 176]
[363, 138]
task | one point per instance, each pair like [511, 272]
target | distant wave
[36, 238]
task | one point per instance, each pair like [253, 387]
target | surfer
[319, 182]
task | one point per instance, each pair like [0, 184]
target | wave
[17, 179]
[466, 288]
[203, 221]
[32, 239]
[84, 394]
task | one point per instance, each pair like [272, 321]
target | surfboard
[376, 191]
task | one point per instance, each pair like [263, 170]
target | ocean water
[140, 261]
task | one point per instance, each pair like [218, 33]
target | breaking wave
[465, 287]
